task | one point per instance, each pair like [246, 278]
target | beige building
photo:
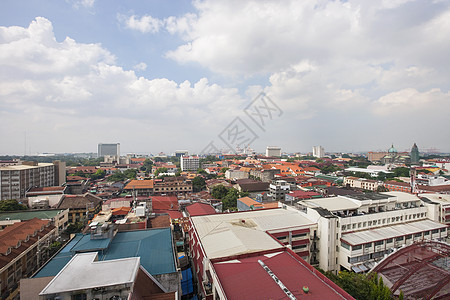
[15, 180]
[362, 183]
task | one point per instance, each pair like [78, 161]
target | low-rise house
[200, 209]
[253, 187]
[81, 207]
[139, 187]
[57, 217]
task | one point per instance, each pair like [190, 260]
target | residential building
[236, 174]
[15, 180]
[200, 209]
[140, 187]
[376, 156]
[253, 187]
[81, 207]
[247, 255]
[273, 151]
[278, 189]
[57, 217]
[108, 149]
[23, 249]
[393, 186]
[362, 183]
[247, 203]
[189, 163]
[442, 204]
[172, 186]
[295, 196]
[318, 151]
[356, 231]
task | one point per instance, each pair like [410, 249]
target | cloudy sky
[167, 75]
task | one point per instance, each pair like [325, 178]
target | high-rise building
[16, 180]
[189, 163]
[273, 151]
[109, 149]
[415, 155]
[318, 151]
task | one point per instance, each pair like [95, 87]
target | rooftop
[139, 184]
[73, 276]
[200, 209]
[30, 214]
[247, 278]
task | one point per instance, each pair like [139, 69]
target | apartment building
[15, 180]
[278, 190]
[362, 183]
[228, 250]
[189, 163]
[356, 231]
[172, 186]
[273, 151]
[23, 249]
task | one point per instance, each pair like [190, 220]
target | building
[200, 209]
[108, 149]
[247, 255]
[362, 183]
[253, 187]
[57, 217]
[189, 163]
[415, 155]
[235, 174]
[376, 156]
[247, 203]
[362, 229]
[81, 207]
[442, 213]
[180, 153]
[318, 151]
[139, 187]
[172, 186]
[273, 151]
[278, 190]
[395, 186]
[23, 249]
[154, 247]
[15, 180]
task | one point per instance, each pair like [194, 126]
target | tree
[116, 176]
[147, 165]
[223, 170]
[230, 200]
[219, 191]
[401, 172]
[198, 183]
[99, 174]
[201, 171]
[11, 205]
[54, 247]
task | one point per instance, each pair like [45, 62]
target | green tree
[198, 183]
[130, 173]
[202, 172]
[401, 172]
[99, 174]
[230, 200]
[116, 176]
[11, 205]
[219, 191]
[147, 165]
[54, 247]
[223, 170]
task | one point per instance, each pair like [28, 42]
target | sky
[204, 75]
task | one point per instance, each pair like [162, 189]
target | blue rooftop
[153, 246]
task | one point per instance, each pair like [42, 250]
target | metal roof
[378, 234]
[107, 273]
[153, 246]
[333, 203]
[28, 215]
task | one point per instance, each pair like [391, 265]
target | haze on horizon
[168, 75]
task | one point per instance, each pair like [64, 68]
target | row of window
[388, 241]
[366, 257]
[382, 221]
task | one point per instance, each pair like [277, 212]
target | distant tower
[273, 151]
[318, 151]
[414, 155]
[108, 149]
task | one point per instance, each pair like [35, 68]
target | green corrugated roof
[153, 246]
[30, 214]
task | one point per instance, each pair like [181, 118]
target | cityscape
[213, 149]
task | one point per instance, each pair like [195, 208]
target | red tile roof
[164, 202]
[200, 209]
[247, 279]
[139, 184]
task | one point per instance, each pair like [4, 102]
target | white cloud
[144, 24]
[83, 3]
[142, 66]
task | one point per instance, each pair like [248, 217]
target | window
[409, 236]
[418, 235]
[364, 224]
[299, 235]
[442, 229]
[434, 231]
[399, 239]
[427, 233]
[368, 245]
[379, 243]
[345, 245]
[388, 241]
[357, 247]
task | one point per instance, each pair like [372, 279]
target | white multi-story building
[273, 151]
[356, 231]
[189, 163]
[17, 179]
[318, 151]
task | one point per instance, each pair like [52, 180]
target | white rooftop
[24, 167]
[378, 234]
[441, 198]
[333, 203]
[83, 271]
[236, 233]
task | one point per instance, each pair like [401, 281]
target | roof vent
[243, 221]
[306, 289]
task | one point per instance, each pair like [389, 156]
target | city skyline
[160, 76]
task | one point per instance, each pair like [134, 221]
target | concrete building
[362, 183]
[108, 149]
[23, 249]
[356, 231]
[278, 190]
[180, 153]
[318, 151]
[153, 247]
[247, 255]
[81, 207]
[15, 180]
[236, 174]
[273, 151]
[189, 163]
[57, 217]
